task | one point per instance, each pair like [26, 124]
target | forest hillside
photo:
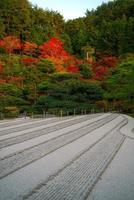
[48, 64]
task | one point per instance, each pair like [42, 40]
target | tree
[63, 76]
[53, 48]
[46, 66]
[45, 24]
[76, 30]
[28, 61]
[11, 15]
[30, 48]
[85, 70]
[120, 86]
[10, 43]
[102, 67]
[10, 89]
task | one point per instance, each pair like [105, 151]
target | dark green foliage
[116, 37]
[15, 15]
[37, 86]
[62, 76]
[69, 94]
[11, 99]
[46, 66]
[45, 24]
[20, 18]
[120, 86]
[10, 89]
[85, 70]
[109, 29]
[76, 30]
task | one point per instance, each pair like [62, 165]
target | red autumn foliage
[53, 48]
[1, 67]
[99, 72]
[71, 64]
[72, 69]
[109, 61]
[1, 43]
[30, 61]
[10, 43]
[102, 67]
[29, 48]
[2, 81]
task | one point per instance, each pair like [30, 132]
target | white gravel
[22, 181]
[91, 152]
[35, 141]
[14, 134]
[128, 129]
[17, 123]
[25, 157]
[117, 183]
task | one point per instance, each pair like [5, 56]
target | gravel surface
[73, 158]
[76, 180]
[26, 125]
[16, 161]
[118, 180]
[27, 134]
[45, 137]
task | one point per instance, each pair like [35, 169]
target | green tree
[69, 94]
[76, 30]
[46, 66]
[45, 24]
[120, 86]
[85, 70]
[10, 89]
[15, 15]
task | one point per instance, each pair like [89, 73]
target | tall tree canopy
[85, 62]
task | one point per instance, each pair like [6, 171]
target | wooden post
[44, 113]
[1, 115]
[67, 113]
[87, 56]
[32, 115]
[61, 113]
[25, 114]
[74, 112]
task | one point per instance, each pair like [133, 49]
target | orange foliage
[10, 43]
[2, 81]
[30, 61]
[59, 63]
[53, 50]
[29, 48]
